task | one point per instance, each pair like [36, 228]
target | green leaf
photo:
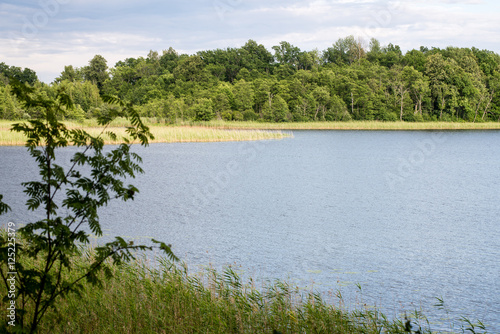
[4, 208]
[166, 249]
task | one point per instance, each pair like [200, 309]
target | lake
[410, 216]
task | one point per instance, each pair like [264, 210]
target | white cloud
[119, 29]
[49, 56]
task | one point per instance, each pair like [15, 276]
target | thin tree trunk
[401, 113]
[488, 105]
[477, 108]
[352, 103]
[403, 92]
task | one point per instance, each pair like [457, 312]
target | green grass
[141, 298]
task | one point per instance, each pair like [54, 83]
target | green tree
[221, 102]
[400, 86]
[263, 96]
[70, 74]
[286, 53]
[258, 58]
[346, 50]
[494, 95]
[441, 74]
[415, 58]
[338, 53]
[203, 110]
[337, 110]
[191, 68]
[309, 60]
[276, 110]
[419, 87]
[228, 62]
[95, 176]
[243, 95]
[9, 106]
[175, 109]
[375, 52]
[322, 97]
[25, 75]
[405, 82]
[391, 55]
[168, 59]
[96, 72]
[83, 94]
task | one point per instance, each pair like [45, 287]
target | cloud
[45, 38]
[49, 56]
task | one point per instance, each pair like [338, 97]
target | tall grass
[162, 134]
[352, 125]
[165, 298]
[218, 130]
[9, 138]
[169, 134]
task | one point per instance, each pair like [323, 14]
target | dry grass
[354, 125]
[162, 133]
[240, 131]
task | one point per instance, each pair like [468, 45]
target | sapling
[68, 200]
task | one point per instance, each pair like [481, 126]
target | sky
[46, 35]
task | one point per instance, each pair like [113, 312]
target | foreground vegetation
[162, 297]
[35, 257]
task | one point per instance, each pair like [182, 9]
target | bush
[237, 116]
[227, 115]
[388, 116]
[250, 115]
[203, 110]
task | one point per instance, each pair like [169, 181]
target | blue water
[410, 216]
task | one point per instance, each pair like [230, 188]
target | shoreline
[353, 125]
[166, 134]
[218, 131]
[167, 297]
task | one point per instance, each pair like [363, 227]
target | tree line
[351, 80]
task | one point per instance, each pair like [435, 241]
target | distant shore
[353, 125]
[243, 131]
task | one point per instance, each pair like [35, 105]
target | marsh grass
[162, 133]
[353, 125]
[171, 134]
[158, 296]
[217, 130]
[166, 298]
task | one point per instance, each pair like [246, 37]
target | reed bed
[166, 298]
[352, 125]
[170, 134]
[162, 134]
[218, 130]
[10, 138]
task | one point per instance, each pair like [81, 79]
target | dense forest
[348, 81]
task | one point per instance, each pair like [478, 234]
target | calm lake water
[408, 215]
